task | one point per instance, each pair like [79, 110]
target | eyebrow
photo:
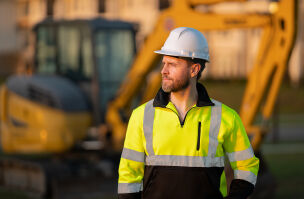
[170, 62]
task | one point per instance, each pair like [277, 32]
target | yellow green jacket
[165, 158]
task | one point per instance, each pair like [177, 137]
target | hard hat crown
[186, 42]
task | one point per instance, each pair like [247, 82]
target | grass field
[8, 194]
[289, 174]
[286, 162]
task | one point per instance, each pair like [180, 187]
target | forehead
[171, 59]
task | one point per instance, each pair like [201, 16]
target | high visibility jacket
[165, 158]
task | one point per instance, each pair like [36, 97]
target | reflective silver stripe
[245, 175]
[129, 187]
[186, 161]
[133, 155]
[240, 155]
[215, 123]
[148, 126]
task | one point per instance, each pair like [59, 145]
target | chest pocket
[198, 144]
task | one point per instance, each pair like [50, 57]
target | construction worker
[176, 143]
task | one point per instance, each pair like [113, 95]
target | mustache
[165, 77]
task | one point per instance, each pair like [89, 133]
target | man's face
[175, 74]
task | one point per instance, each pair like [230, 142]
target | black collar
[162, 98]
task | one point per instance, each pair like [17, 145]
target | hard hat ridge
[186, 42]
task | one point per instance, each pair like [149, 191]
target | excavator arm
[266, 76]
[275, 47]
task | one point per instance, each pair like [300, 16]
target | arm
[242, 160]
[131, 167]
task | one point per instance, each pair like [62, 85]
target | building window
[50, 7]
[163, 4]
[101, 6]
[23, 9]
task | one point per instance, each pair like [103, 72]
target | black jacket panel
[167, 182]
[130, 196]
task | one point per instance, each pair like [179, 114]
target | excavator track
[22, 175]
[58, 178]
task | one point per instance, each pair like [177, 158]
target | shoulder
[141, 109]
[227, 112]
[229, 117]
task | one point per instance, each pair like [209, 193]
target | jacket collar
[162, 98]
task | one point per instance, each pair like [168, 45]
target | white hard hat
[186, 42]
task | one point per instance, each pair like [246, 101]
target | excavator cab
[78, 67]
[94, 54]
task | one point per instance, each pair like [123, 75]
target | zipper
[183, 121]
[198, 136]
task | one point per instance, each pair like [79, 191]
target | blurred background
[64, 62]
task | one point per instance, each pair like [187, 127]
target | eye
[172, 64]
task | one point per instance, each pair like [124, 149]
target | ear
[195, 68]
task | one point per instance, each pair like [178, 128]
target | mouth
[165, 78]
[166, 81]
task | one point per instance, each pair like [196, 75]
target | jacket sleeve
[131, 167]
[242, 160]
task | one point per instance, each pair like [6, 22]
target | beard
[176, 85]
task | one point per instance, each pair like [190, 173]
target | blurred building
[296, 63]
[142, 12]
[71, 9]
[17, 18]
[232, 52]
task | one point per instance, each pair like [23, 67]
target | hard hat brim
[178, 54]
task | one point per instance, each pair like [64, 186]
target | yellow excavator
[50, 119]
[79, 65]
[82, 91]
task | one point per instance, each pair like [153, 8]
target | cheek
[185, 72]
[179, 72]
[172, 72]
[182, 74]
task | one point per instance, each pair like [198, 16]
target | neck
[183, 100]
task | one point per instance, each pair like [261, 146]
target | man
[175, 144]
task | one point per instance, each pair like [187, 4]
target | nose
[164, 69]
